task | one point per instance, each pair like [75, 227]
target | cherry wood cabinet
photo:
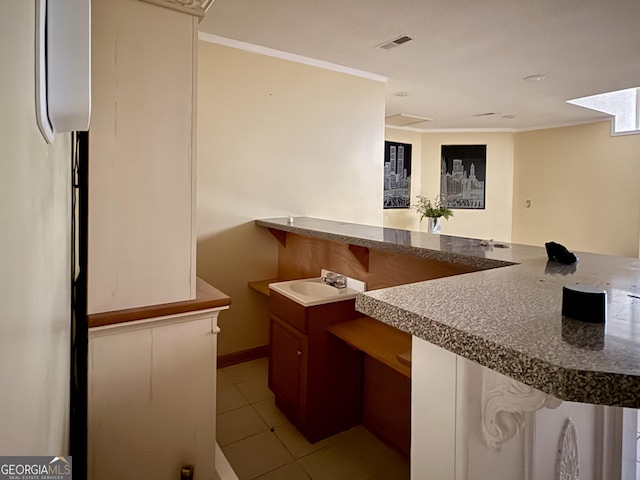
[288, 366]
[316, 378]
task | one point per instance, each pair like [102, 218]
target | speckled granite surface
[509, 319]
[445, 248]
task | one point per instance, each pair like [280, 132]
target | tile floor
[260, 443]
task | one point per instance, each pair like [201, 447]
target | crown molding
[197, 8]
[452, 130]
[497, 130]
[270, 52]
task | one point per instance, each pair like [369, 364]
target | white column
[472, 423]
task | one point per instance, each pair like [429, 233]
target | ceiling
[466, 57]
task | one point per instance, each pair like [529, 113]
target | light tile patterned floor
[260, 443]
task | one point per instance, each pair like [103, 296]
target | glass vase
[433, 225]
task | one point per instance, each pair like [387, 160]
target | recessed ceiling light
[509, 117]
[484, 114]
[401, 94]
[535, 78]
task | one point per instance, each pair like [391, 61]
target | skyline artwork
[463, 176]
[397, 175]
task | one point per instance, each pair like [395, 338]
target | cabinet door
[152, 401]
[287, 367]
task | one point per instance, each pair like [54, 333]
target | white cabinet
[152, 397]
[141, 156]
[472, 423]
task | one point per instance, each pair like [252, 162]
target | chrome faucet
[335, 280]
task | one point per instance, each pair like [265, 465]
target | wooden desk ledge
[262, 286]
[207, 297]
[378, 340]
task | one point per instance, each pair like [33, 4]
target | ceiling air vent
[403, 120]
[395, 42]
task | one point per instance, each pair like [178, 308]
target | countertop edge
[568, 384]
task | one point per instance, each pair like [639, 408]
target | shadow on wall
[403, 218]
[228, 259]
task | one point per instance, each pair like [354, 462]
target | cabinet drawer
[294, 313]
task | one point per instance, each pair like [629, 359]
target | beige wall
[572, 175]
[403, 218]
[495, 220]
[584, 187]
[277, 138]
[141, 234]
[35, 244]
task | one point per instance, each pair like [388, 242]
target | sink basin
[313, 291]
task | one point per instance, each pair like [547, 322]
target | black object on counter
[584, 303]
[559, 253]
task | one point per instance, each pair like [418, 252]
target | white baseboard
[223, 468]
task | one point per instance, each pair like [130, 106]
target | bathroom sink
[313, 291]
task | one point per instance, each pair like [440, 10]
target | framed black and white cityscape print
[397, 175]
[463, 176]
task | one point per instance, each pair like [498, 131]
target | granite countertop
[466, 251]
[508, 316]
